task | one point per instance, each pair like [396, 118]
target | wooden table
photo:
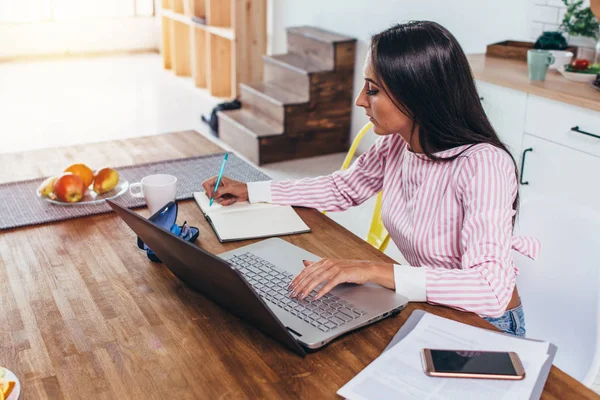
[85, 315]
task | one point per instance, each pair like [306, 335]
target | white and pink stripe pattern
[452, 218]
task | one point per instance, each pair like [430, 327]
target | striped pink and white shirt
[452, 221]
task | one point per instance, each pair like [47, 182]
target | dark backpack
[213, 120]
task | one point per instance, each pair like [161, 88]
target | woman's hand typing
[331, 272]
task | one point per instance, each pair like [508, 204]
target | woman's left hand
[331, 273]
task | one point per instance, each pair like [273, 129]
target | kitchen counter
[513, 74]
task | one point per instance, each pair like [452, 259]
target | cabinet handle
[576, 129]
[523, 166]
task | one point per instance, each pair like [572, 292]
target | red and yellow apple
[105, 180]
[69, 188]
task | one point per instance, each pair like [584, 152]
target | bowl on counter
[596, 82]
[561, 58]
[577, 76]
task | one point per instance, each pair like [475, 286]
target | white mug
[158, 190]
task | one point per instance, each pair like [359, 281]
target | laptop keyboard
[271, 283]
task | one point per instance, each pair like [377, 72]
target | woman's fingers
[324, 275]
[311, 275]
[229, 191]
[233, 188]
[211, 190]
[226, 201]
[224, 187]
[208, 186]
[328, 273]
[300, 276]
[328, 287]
[308, 270]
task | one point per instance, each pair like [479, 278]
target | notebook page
[257, 223]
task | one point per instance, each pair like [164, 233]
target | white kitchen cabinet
[505, 109]
[558, 172]
[564, 162]
[571, 126]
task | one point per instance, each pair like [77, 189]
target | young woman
[449, 184]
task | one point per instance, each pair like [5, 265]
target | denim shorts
[513, 321]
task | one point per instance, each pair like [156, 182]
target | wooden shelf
[180, 49]
[199, 59]
[219, 64]
[226, 33]
[175, 16]
[223, 53]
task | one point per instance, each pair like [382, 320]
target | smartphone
[473, 364]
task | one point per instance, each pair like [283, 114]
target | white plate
[91, 197]
[577, 76]
[10, 376]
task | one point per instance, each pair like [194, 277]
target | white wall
[475, 23]
[545, 15]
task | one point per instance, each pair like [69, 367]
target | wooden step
[296, 62]
[309, 144]
[290, 71]
[234, 129]
[256, 124]
[269, 99]
[326, 49]
[319, 34]
[243, 128]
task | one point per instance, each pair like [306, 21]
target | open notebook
[241, 221]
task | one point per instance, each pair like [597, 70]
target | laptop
[251, 282]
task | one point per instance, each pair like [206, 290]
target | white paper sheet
[399, 374]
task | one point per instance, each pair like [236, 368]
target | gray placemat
[20, 206]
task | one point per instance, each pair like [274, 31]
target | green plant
[551, 41]
[579, 20]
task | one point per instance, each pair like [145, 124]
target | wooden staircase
[303, 106]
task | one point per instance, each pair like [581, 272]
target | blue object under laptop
[166, 218]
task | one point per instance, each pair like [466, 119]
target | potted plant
[595, 7]
[581, 25]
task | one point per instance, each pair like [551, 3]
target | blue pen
[212, 198]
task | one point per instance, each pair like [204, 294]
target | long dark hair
[427, 75]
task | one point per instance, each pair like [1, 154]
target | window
[15, 11]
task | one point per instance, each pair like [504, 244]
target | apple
[46, 188]
[69, 188]
[105, 180]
